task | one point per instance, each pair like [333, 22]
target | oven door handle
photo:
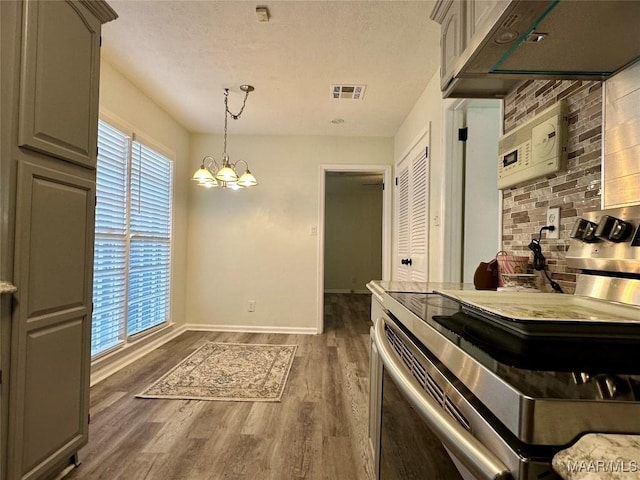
[479, 460]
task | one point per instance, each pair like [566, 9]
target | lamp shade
[202, 175]
[226, 174]
[247, 179]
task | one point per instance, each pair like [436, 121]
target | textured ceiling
[183, 54]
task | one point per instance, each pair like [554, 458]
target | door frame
[452, 194]
[385, 170]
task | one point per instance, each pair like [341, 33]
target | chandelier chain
[228, 112]
[235, 116]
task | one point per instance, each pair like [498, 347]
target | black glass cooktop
[550, 366]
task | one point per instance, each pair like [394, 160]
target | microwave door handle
[479, 460]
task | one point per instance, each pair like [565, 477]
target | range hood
[557, 39]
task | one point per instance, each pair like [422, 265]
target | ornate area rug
[228, 372]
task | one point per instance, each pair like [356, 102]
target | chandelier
[211, 173]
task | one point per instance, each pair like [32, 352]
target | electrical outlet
[553, 218]
[252, 305]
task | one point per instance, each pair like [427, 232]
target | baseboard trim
[112, 363]
[251, 329]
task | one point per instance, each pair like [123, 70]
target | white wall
[428, 108]
[121, 98]
[353, 238]
[257, 244]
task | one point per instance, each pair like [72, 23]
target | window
[132, 252]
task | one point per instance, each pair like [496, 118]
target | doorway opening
[354, 232]
[472, 217]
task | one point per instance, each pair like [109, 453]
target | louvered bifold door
[419, 208]
[412, 214]
[403, 224]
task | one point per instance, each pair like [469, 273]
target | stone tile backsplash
[576, 190]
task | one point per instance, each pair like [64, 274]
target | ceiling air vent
[348, 92]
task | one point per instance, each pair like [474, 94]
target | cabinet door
[51, 332]
[59, 85]
[412, 214]
[477, 13]
[451, 40]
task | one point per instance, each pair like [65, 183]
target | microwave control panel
[534, 149]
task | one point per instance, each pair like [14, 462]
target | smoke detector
[262, 13]
[348, 92]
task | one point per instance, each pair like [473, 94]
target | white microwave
[535, 148]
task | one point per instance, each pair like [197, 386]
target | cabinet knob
[406, 261]
[7, 287]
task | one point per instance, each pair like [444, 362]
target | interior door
[412, 214]
[403, 219]
[419, 214]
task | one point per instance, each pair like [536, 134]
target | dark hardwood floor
[318, 431]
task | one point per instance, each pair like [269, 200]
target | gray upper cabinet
[462, 24]
[477, 13]
[49, 96]
[502, 42]
[58, 84]
[452, 37]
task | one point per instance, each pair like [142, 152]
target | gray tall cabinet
[49, 99]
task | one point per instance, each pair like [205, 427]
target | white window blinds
[133, 239]
[110, 257]
[150, 248]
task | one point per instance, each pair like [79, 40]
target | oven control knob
[584, 230]
[612, 228]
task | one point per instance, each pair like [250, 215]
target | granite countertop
[380, 286]
[599, 456]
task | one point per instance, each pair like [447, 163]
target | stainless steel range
[506, 379]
